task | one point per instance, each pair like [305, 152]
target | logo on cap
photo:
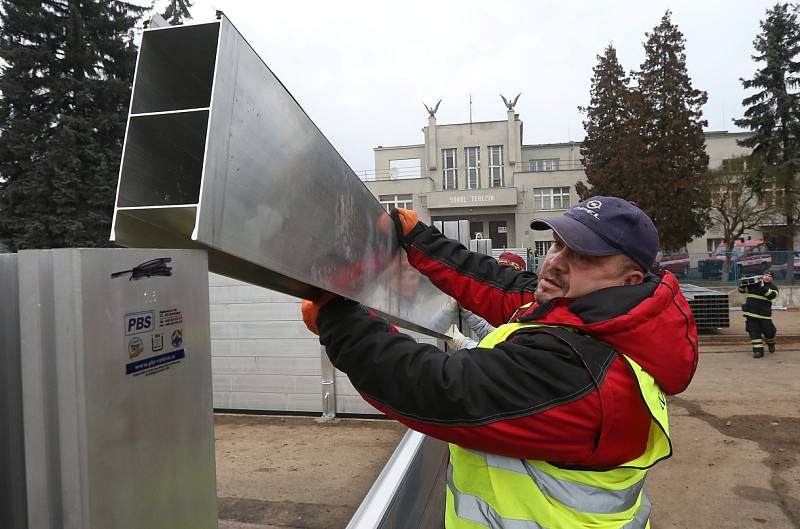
[594, 204]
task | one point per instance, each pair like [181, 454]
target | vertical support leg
[328, 386]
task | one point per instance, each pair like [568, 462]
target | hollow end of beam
[163, 160]
[175, 69]
[156, 227]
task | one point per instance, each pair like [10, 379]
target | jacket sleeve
[535, 398]
[478, 325]
[771, 291]
[475, 280]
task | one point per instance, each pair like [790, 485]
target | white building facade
[483, 172]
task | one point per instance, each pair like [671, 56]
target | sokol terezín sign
[505, 196]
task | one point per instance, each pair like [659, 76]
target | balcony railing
[369, 175]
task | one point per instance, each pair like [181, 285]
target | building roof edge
[393, 147]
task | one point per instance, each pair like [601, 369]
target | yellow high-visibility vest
[488, 490]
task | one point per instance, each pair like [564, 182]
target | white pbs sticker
[139, 322]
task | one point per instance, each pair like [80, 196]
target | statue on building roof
[510, 105]
[432, 112]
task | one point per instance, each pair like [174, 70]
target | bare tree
[736, 204]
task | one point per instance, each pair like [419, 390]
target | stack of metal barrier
[711, 309]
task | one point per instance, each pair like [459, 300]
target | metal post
[328, 386]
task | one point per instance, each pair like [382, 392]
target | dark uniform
[757, 311]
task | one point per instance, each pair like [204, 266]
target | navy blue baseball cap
[606, 226]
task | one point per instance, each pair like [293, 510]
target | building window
[542, 247]
[551, 198]
[472, 162]
[408, 168]
[713, 243]
[725, 196]
[771, 194]
[496, 166]
[450, 176]
[395, 201]
[734, 165]
[548, 164]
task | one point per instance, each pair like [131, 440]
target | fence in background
[708, 269]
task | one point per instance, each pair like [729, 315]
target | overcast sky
[361, 69]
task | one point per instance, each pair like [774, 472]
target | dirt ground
[736, 437]
[786, 321]
[295, 472]
[735, 431]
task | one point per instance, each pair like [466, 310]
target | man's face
[568, 274]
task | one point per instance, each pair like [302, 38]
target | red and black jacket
[545, 393]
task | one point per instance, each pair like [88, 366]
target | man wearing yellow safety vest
[554, 419]
[757, 310]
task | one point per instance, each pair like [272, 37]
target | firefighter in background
[757, 310]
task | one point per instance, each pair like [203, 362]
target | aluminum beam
[219, 155]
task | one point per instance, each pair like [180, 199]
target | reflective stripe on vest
[572, 494]
[487, 490]
[476, 511]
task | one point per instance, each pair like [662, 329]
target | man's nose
[560, 259]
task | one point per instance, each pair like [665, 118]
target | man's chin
[543, 297]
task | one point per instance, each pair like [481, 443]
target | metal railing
[402, 173]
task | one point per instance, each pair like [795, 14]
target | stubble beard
[544, 297]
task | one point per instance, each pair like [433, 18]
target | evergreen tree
[177, 12]
[612, 143]
[773, 112]
[646, 143]
[669, 111]
[65, 89]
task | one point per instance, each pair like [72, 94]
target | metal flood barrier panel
[219, 155]
[409, 492]
[116, 389]
[264, 359]
[13, 505]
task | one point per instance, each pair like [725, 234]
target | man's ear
[634, 277]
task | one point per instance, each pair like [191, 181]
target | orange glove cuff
[310, 310]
